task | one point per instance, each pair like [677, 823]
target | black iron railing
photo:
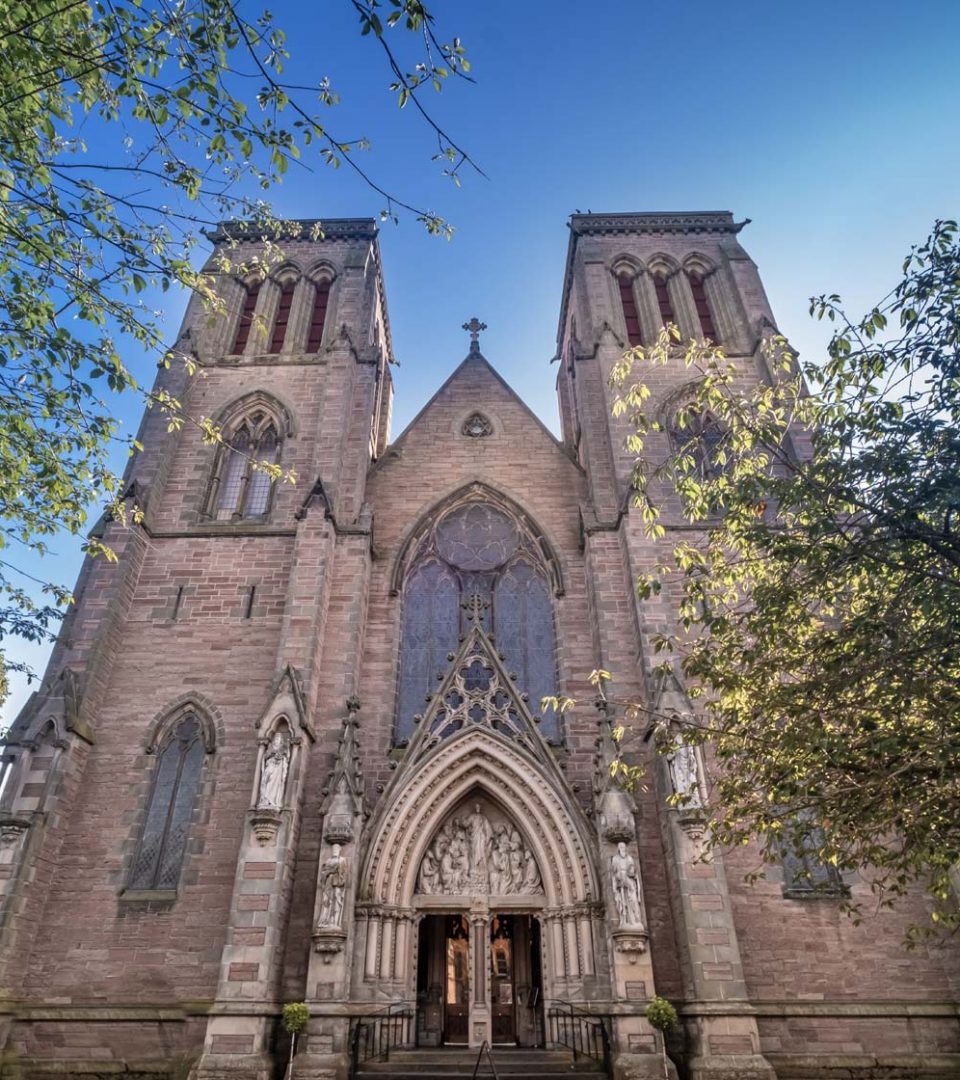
[584, 1034]
[485, 1049]
[373, 1036]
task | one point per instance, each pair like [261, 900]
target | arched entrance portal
[479, 841]
[479, 871]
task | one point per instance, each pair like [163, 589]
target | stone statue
[333, 885]
[684, 775]
[500, 863]
[626, 887]
[273, 773]
[430, 873]
[531, 874]
[480, 833]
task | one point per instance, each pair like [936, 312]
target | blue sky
[832, 126]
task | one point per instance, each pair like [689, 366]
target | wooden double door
[444, 985]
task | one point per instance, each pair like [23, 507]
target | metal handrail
[485, 1046]
[585, 1034]
[380, 1032]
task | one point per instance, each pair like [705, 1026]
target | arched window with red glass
[698, 288]
[628, 305]
[247, 311]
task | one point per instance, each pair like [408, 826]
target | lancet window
[241, 490]
[628, 302]
[704, 314]
[176, 780]
[663, 298]
[476, 549]
[282, 321]
[246, 317]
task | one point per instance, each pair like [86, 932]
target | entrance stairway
[511, 1063]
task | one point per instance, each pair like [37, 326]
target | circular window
[476, 537]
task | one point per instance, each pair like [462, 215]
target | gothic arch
[322, 270]
[285, 274]
[626, 264]
[661, 263]
[476, 491]
[208, 717]
[698, 263]
[234, 412]
[478, 761]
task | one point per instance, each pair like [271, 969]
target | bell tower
[627, 276]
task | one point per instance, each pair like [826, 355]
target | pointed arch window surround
[173, 793]
[239, 490]
[476, 549]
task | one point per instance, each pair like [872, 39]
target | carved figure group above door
[472, 855]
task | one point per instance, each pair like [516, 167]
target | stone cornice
[688, 222]
[296, 229]
[669, 222]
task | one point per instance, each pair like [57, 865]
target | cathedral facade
[290, 745]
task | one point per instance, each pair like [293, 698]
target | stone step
[511, 1064]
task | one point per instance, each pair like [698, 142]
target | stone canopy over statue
[472, 855]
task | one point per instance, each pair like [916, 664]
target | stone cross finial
[474, 326]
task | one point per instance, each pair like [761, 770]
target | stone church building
[290, 747]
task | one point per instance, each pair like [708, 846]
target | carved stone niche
[616, 817]
[632, 943]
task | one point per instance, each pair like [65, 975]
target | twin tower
[290, 746]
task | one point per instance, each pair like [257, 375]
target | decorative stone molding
[328, 941]
[632, 943]
[266, 825]
[720, 221]
[13, 828]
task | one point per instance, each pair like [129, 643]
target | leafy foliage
[661, 1014]
[819, 599]
[188, 97]
[295, 1017]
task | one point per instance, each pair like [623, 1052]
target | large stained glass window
[476, 548]
[163, 841]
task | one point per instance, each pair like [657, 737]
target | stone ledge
[863, 1066]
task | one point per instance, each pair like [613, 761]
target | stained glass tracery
[163, 840]
[476, 550]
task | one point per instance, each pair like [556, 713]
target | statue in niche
[469, 854]
[685, 776]
[273, 772]
[333, 885]
[626, 887]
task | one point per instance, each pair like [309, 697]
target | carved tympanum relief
[472, 854]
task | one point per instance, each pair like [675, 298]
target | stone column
[479, 960]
